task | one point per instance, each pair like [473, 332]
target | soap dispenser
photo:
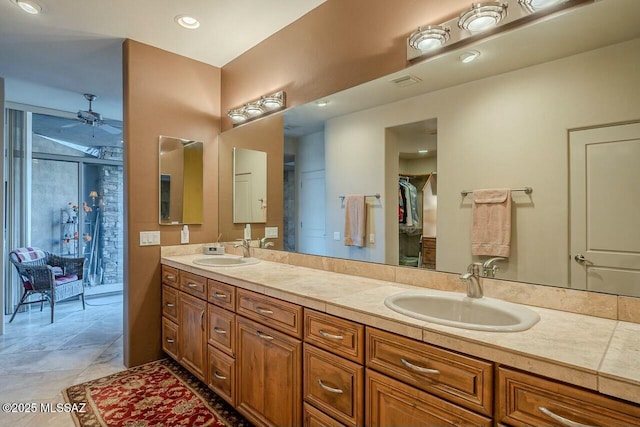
[184, 234]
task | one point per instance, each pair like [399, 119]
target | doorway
[65, 195]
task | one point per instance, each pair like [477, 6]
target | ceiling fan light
[429, 38]
[237, 115]
[29, 6]
[186, 21]
[482, 16]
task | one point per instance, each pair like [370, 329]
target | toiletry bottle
[184, 234]
[247, 231]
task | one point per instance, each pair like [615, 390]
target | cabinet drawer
[170, 338]
[222, 329]
[222, 375]
[170, 303]
[461, 379]
[314, 418]
[525, 400]
[336, 335]
[280, 315]
[193, 284]
[390, 402]
[170, 276]
[222, 295]
[334, 385]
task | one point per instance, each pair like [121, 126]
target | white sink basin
[454, 309]
[225, 261]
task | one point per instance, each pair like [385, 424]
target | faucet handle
[474, 268]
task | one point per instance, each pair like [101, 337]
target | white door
[242, 198]
[311, 214]
[605, 209]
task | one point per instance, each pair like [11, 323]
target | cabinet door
[315, 418]
[222, 371]
[192, 347]
[392, 403]
[269, 375]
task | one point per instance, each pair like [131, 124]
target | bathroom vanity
[289, 345]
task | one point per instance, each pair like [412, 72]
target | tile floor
[39, 359]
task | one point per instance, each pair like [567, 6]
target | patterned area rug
[157, 394]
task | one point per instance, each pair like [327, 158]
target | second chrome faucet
[473, 275]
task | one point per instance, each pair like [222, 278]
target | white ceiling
[74, 47]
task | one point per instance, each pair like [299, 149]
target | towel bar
[527, 190]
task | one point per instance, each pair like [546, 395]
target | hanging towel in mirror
[491, 228]
[355, 220]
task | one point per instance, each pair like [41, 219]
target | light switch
[149, 238]
[372, 238]
[336, 235]
[271, 232]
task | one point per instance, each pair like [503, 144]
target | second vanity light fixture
[267, 104]
[481, 19]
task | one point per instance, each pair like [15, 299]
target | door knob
[581, 259]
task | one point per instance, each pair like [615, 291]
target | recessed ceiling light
[187, 21]
[29, 6]
[322, 103]
[423, 151]
[469, 56]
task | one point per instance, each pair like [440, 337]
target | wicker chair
[54, 277]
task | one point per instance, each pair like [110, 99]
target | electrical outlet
[372, 238]
[336, 235]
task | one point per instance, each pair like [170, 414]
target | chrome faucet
[489, 267]
[246, 247]
[264, 244]
[472, 278]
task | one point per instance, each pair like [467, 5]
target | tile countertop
[592, 352]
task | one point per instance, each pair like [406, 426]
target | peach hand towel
[355, 220]
[491, 228]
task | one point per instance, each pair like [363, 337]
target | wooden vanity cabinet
[192, 345]
[526, 400]
[392, 403]
[269, 375]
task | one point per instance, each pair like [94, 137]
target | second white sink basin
[454, 309]
[225, 261]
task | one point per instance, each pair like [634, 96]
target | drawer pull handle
[328, 335]
[562, 420]
[170, 277]
[219, 295]
[218, 376]
[419, 368]
[170, 341]
[192, 285]
[330, 389]
[202, 320]
[264, 336]
[263, 310]
[219, 331]
[170, 305]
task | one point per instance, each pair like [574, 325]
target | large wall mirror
[181, 175]
[249, 186]
[506, 120]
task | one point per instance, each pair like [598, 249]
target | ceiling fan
[93, 118]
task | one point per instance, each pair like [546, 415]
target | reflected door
[312, 224]
[605, 196]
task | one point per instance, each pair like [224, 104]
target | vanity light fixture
[29, 6]
[186, 21]
[535, 5]
[429, 38]
[266, 104]
[469, 56]
[482, 16]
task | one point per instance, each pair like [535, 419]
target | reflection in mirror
[503, 121]
[181, 175]
[249, 186]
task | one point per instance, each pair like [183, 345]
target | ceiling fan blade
[111, 129]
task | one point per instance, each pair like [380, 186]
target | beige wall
[508, 130]
[266, 135]
[338, 45]
[2, 199]
[164, 94]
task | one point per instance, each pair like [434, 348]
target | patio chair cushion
[61, 280]
[29, 254]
